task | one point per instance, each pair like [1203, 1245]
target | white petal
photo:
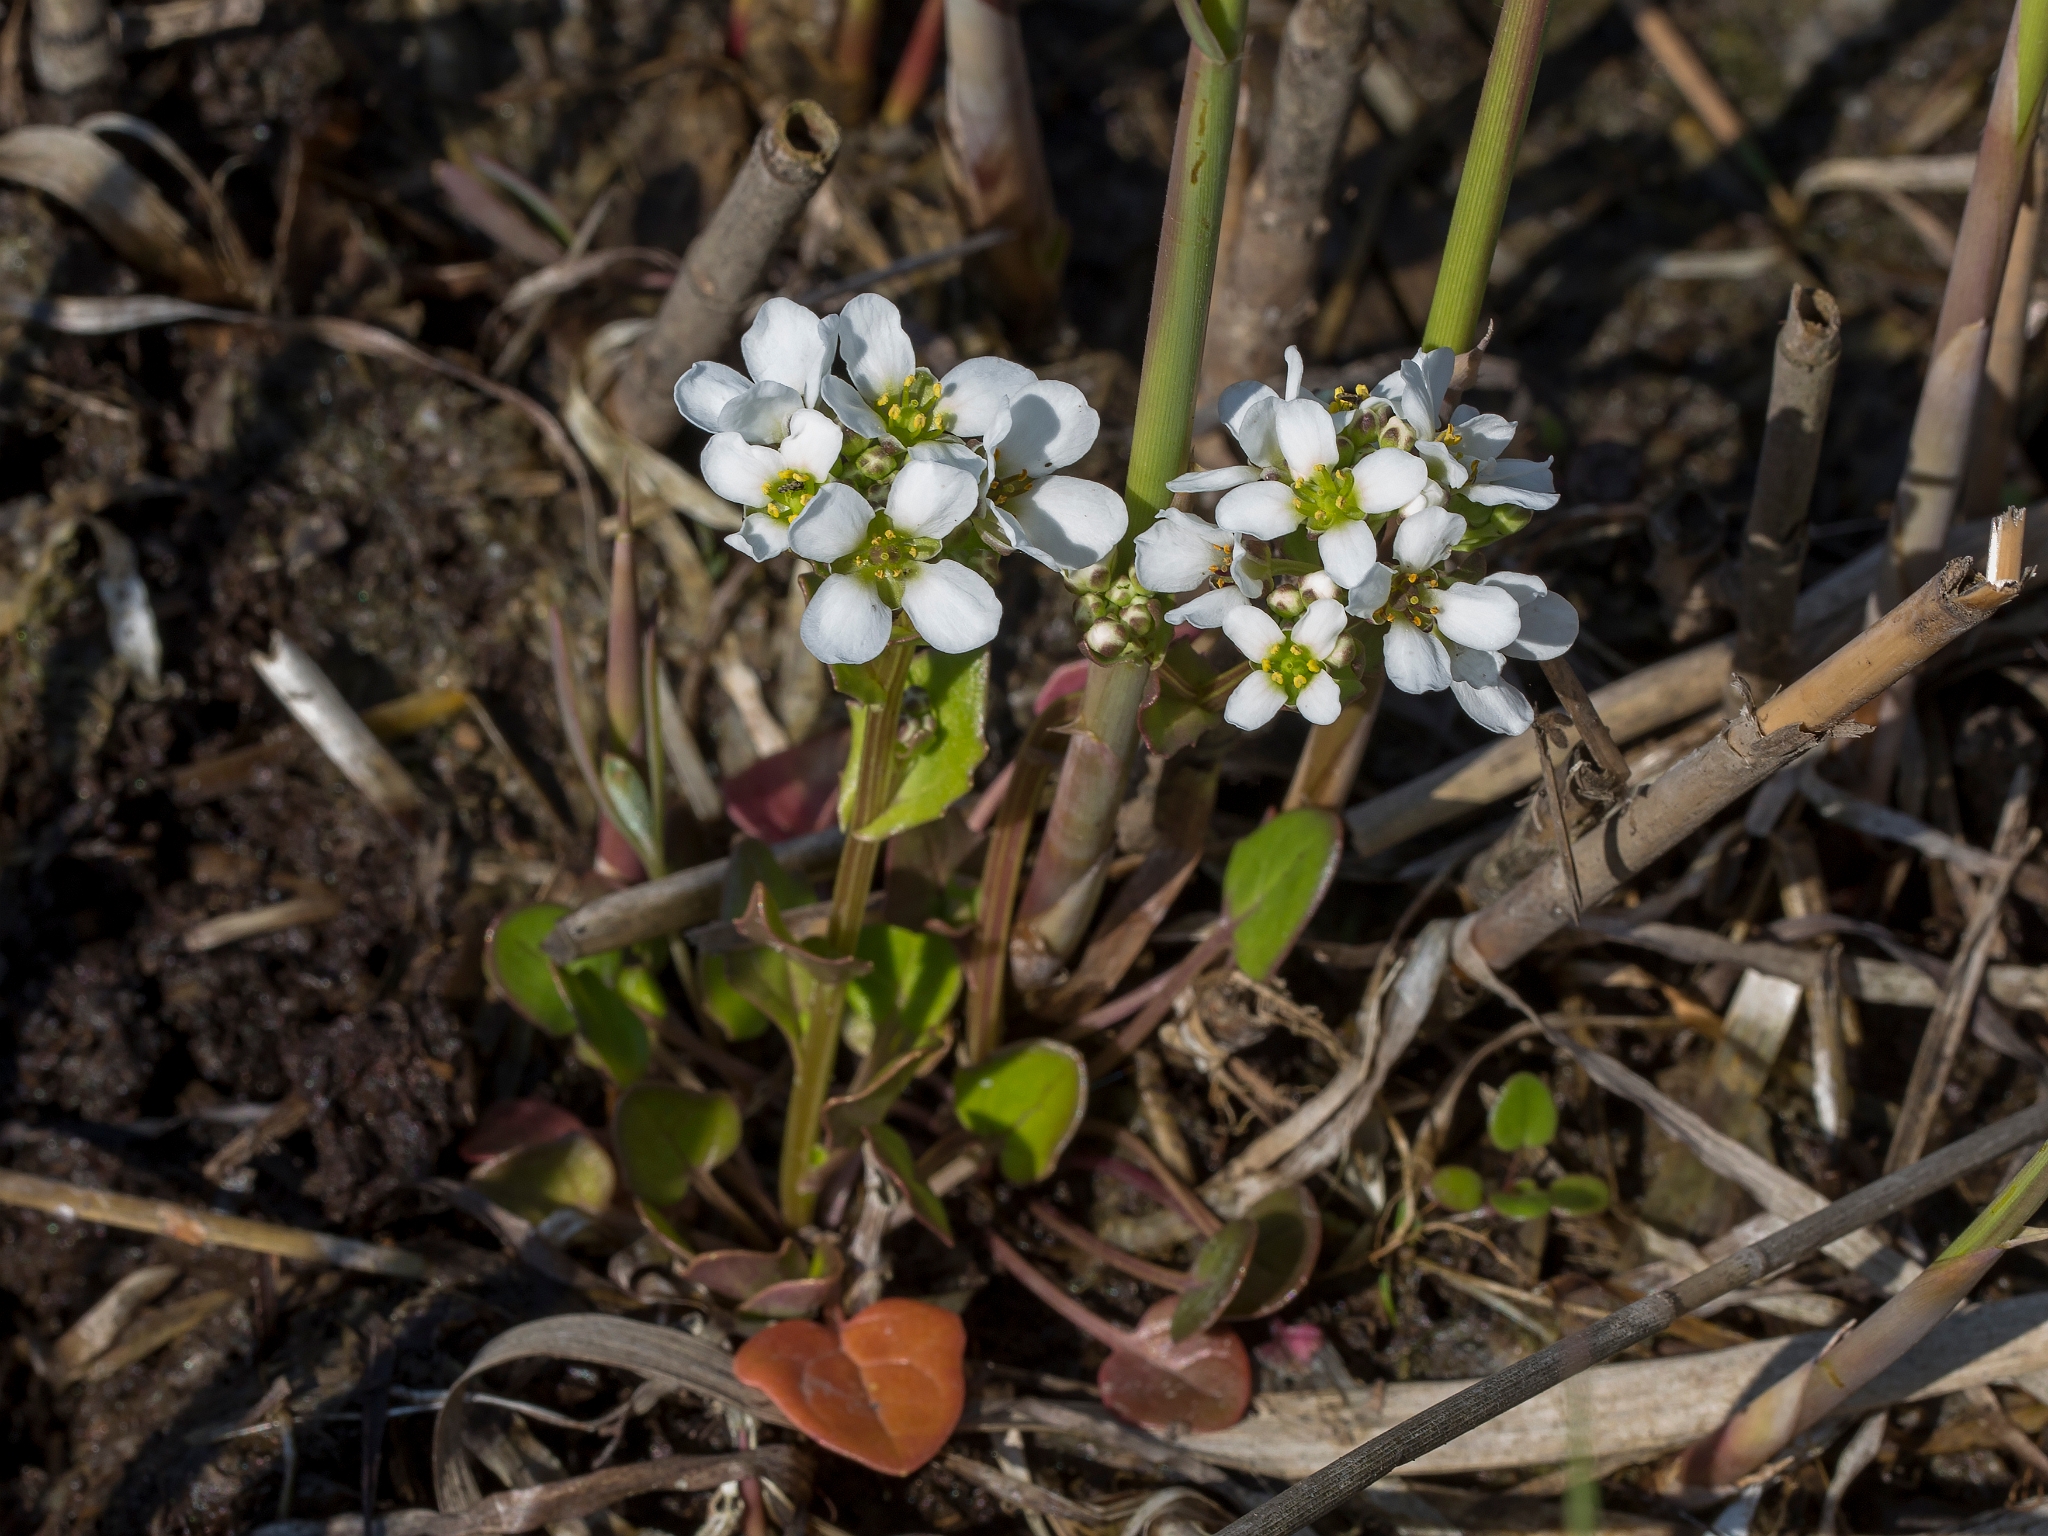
[1321, 702]
[1178, 552]
[1483, 617]
[1294, 371]
[1252, 426]
[1485, 696]
[1428, 375]
[1525, 586]
[1550, 624]
[846, 623]
[1372, 592]
[1265, 510]
[854, 413]
[761, 413]
[1485, 435]
[1233, 408]
[1307, 437]
[1240, 572]
[760, 536]
[1254, 701]
[813, 443]
[832, 525]
[1514, 483]
[701, 393]
[1423, 540]
[1450, 469]
[1213, 479]
[1416, 662]
[1387, 479]
[1317, 630]
[874, 345]
[739, 470]
[951, 606]
[1209, 610]
[1066, 523]
[1348, 551]
[1252, 631]
[970, 394]
[928, 500]
[789, 345]
[959, 455]
[1050, 425]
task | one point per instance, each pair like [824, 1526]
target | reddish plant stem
[1183, 1199]
[913, 75]
[1108, 1335]
[1104, 1251]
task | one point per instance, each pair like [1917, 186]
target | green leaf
[665, 1134]
[1524, 1115]
[631, 807]
[1290, 1238]
[1386, 1290]
[848, 1115]
[571, 1172]
[737, 1019]
[1525, 1202]
[912, 985]
[610, 1032]
[1274, 882]
[1029, 1100]
[1578, 1194]
[941, 769]
[1458, 1188]
[1219, 1270]
[1172, 724]
[895, 1156]
[522, 974]
[764, 981]
[1489, 525]
[762, 923]
[642, 993]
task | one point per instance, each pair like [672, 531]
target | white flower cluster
[1348, 521]
[909, 482]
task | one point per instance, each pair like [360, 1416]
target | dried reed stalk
[71, 44]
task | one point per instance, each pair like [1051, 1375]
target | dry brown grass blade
[339, 731]
[94, 1333]
[81, 172]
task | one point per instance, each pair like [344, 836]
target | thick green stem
[1489, 166]
[874, 782]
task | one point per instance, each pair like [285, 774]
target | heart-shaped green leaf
[1290, 1238]
[1524, 1115]
[1029, 1100]
[1275, 880]
[1525, 1202]
[912, 984]
[521, 973]
[608, 1031]
[632, 809]
[571, 1172]
[1458, 1188]
[941, 766]
[1219, 1269]
[1578, 1194]
[666, 1135]
[896, 1159]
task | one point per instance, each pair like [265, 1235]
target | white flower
[1058, 520]
[1466, 452]
[879, 561]
[788, 351]
[1246, 411]
[776, 483]
[1549, 622]
[891, 397]
[1446, 635]
[1288, 667]
[1180, 552]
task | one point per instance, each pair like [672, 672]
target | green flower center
[887, 556]
[789, 493]
[1324, 498]
[1412, 598]
[1290, 667]
[911, 412]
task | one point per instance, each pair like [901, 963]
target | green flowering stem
[873, 782]
[1489, 167]
[1067, 877]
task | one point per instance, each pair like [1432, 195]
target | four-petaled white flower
[1288, 666]
[891, 398]
[880, 561]
[1465, 453]
[1180, 552]
[775, 483]
[1057, 520]
[788, 350]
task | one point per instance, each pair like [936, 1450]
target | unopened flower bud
[876, 462]
[1397, 434]
[1090, 578]
[1140, 619]
[1318, 585]
[1105, 640]
[1287, 603]
[878, 494]
[1343, 653]
[1089, 609]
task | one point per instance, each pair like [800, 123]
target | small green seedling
[1523, 1120]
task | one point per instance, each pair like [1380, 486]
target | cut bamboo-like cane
[204, 1229]
[1754, 747]
[1438, 1425]
[1774, 540]
[350, 745]
[722, 268]
[71, 44]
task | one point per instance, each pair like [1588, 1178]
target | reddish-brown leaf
[1202, 1383]
[884, 1389]
[790, 793]
[512, 1124]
